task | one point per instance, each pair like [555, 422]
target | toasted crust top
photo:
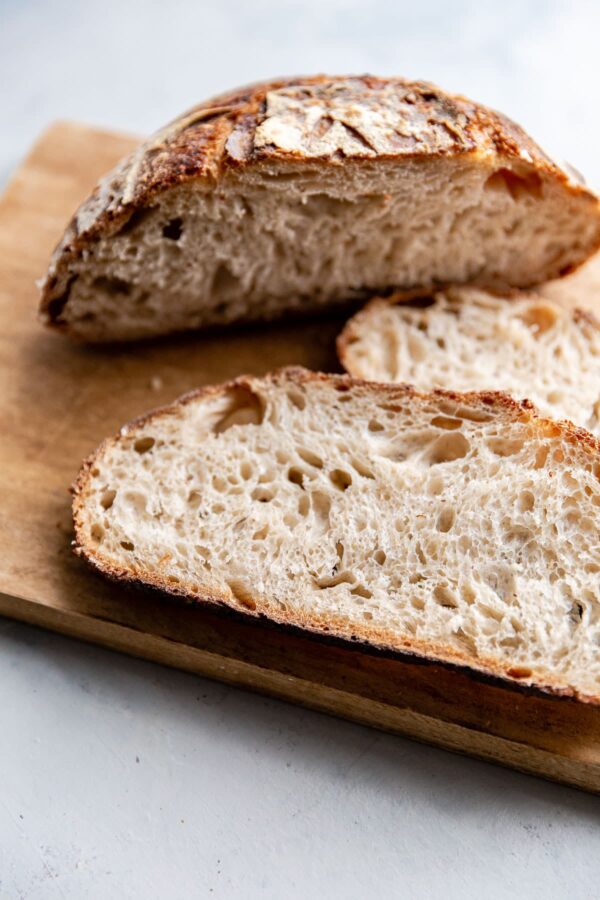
[321, 119]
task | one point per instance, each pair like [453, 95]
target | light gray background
[120, 779]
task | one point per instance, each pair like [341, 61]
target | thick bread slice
[461, 528]
[528, 346]
[295, 195]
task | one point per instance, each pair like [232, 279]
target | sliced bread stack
[459, 525]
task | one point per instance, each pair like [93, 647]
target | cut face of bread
[527, 346]
[462, 528]
[293, 196]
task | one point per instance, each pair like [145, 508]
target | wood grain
[58, 400]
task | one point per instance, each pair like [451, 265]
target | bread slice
[295, 195]
[460, 528]
[528, 346]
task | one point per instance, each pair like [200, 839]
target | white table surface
[122, 779]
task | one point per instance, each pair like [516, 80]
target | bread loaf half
[526, 345]
[295, 195]
[460, 528]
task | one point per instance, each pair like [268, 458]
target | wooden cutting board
[58, 400]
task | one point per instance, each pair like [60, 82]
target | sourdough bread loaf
[300, 194]
[459, 528]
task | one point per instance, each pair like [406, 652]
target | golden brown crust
[320, 119]
[381, 639]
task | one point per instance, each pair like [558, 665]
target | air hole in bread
[127, 545]
[445, 597]
[97, 532]
[246, 471]
[576, 613]
[470, 414]
[139, 216]
[468, 594]
[416, 348]
[303, 505]
[375, 426]
[296, 397]
[447, 423]
[261, 533]
[517, 186]
[541, 457]
[225, 283]
[435, 485]
[380, 557]
[446, 519]
[339, 549]
[421, 302]
[107, 499]
[239, 406]
[321, 203]
[340, 479]
[262, 494]
[540, 317]
[504, 447]
[362, 468]
[335, 580]
[321, 505]
[390, 408]
[173, 229]
[143, 444]
[111, 285]
[310, 458]
[242, 594]
[361, 591]
[526, 501]
[448, 448]
[517, 534]
[295, 475]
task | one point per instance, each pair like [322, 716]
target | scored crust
[330, 625]
[320, 120]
